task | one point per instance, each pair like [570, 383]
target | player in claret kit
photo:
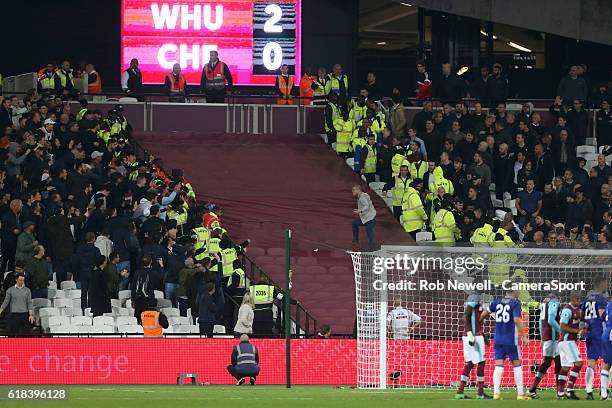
[473, 346]
[606, 339]
[593, 312]
[571, 362]
[549, 331]
[508, 329]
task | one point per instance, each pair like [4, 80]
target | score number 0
[272, 52]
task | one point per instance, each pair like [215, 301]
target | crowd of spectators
[76, 203]
[457, 147]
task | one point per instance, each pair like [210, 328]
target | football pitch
[127, 396]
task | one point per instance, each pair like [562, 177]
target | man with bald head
[245, 361]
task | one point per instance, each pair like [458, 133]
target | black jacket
[86, 257]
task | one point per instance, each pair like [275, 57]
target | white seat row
[88, 321]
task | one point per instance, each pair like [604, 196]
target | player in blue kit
[508, 329]
[593, 311]
[606, 338]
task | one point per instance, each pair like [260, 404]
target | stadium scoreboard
[254, 38]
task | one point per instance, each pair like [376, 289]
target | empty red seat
[255, 251]
[276, 251]
[306, 260]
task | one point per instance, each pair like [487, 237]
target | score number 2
[272, 51]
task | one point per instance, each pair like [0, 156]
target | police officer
[153, 321]
[245, 361]
[264, 295]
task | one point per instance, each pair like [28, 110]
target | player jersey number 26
[502, 313]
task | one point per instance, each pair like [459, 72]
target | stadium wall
[158, 361]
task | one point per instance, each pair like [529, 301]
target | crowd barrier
[159, 361]
[245, 118]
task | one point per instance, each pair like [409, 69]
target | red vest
[215, 77]
[176, 86]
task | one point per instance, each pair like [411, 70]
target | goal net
[410, 303]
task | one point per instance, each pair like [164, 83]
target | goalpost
[431, 284]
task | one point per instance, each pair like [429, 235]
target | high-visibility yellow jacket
[444, 227]
[413, 213]
[440, 181]
[344, 129]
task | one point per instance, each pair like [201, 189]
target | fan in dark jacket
[142, 290]
[60, 244]
[86, 257]
[100, 296]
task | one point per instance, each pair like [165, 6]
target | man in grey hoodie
[367, 217]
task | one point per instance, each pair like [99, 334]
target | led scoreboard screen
[254, 38]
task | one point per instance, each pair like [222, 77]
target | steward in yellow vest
[228, 256]
[398, 188]
[369, 158]
[235, 288]
[443, 225]
[332, 112]
[440, 181]
[418, 169]
[399, 159]
[358, 109]
[263, 295]
[414, 216]
[483, 236]
[344, 133]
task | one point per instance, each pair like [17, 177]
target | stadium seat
[87, 312]
[350, 162]
[424, 236]
[120, 311]
[41, 302]
[57, 321]
[377, 185]
[218, 329]
[49, 311]
[125, 294]
[76, 302]
[188, 328]
[514, 107]
[68, 285]
[80, 321]
[61, 329]
[127, 99]
[584, 149]
[73, 294]
[125, 321]
[51, 292]
[52, 285]
[80, 329]
[71, 311]
[171, 311]
[62, 302]
[116, 303]
[163, 303]
[338, 270]
[276, 252]
[306, 260]
[103, 328]
[185, 320]
[129, 328]
[591, 141]
[158, 294]
[591, 157]
[103, 320]
[57, 293]
[263, 260]
[255, 251]
[174, 320]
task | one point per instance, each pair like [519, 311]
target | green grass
[127, 396]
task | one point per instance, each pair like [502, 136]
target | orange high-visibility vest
[285, 89]
[150, 324]
[95, 87]
[176, 86]
[306, 91]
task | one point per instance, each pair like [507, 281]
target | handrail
[299, 309]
